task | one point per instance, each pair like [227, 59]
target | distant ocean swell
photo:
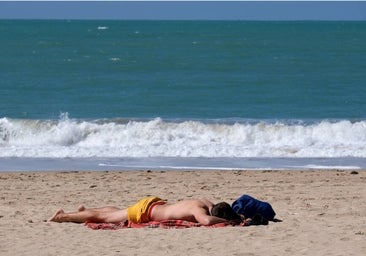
[181, 138]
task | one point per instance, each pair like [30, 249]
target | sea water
[123, 95]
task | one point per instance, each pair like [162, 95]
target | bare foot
[81, 208]
[56, 216]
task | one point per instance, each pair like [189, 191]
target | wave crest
[190, 138]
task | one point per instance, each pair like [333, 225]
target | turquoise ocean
[126, 95]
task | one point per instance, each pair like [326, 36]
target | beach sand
[323, 212]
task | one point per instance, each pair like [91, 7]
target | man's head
[224, 210]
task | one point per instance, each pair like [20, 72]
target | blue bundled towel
[249, 207]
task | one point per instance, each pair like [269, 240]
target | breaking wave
[180, 138]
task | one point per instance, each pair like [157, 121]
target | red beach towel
[168, 224]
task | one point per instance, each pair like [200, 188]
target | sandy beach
[323, 212]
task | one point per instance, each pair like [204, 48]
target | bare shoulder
[196, 203]
[206, 202]
[201, 203]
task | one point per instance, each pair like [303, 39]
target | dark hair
[224, 210]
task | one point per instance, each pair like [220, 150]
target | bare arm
[202, 217]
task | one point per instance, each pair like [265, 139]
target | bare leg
[101, 209]
[99, 215]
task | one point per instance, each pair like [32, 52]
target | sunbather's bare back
[190, 210]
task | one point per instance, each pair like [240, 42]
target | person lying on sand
[154, 209]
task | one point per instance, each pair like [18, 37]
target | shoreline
[323, 212]
[31, 164]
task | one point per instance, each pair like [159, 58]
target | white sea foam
[330, 167]
[159, 138]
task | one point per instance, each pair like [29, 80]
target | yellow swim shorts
[140, 212]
